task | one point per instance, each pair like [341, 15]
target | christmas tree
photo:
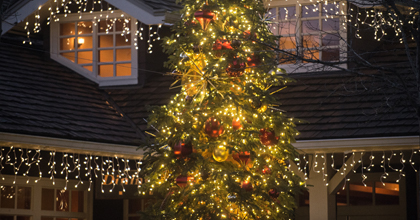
[222, 146]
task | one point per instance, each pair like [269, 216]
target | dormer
[104, 41]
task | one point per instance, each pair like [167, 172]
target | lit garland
[22, 160]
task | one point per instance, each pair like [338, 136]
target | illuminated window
[374, 193]
[29, 200]
[311, 31]
[102, 50]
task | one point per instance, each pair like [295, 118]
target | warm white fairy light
[385, 174]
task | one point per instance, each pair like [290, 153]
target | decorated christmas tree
[222, 146]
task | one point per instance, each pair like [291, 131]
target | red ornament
[246, 185]
[242, 157]
[236, 124]
[183, 149]
[213, 128]
[266, 170]
[273, 193]
[253, 61]
[182, 181]
[204, 17]
[236, 68]
[268, 138]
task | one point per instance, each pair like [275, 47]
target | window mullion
[299, 50]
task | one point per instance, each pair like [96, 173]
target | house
[73, 111]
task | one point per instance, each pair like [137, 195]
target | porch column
[322, 204]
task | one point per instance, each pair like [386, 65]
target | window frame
[300, 67]
[93, 17]
[35, 212]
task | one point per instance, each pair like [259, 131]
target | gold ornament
[220, 154]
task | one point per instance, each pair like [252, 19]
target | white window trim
[102, 81]
[313, 67]
[36, 197]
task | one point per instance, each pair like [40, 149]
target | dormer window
[309, 30]
[99, 46]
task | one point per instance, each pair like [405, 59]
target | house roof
[331, 105]
[41, 97]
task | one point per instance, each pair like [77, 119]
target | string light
[18, 158]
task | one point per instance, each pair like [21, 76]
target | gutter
[70, 146]
[358, 144]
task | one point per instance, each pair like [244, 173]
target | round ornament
[266, 170]
[213, 128]
[267, 137]
[273, 193]
[236, 124]
[183, 149]
[220, 154]
[236, 68]
[182, 181]
[253, 61]
[246, 185]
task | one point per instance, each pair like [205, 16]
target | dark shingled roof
[334, 105]
[41, 97]
[167, 5]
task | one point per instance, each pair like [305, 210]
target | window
[42, 200]
[102, 50]
[374, 193]
[311, 31]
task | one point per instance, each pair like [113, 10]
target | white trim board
[358, 144]
[70, 146]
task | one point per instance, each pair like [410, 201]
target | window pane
[388, 194]
[24, 198]
[287, 43]
[23, 218]
[330, 40]
[134, 205]
[106, 41]
[104, 25]
[90, 68]
[67, 29]
[62, 200]
[120, 24]
[330, 9]
[106, 70]
[271, 14]
[67, 43]
[287, 59]
[123, 40]
[287, 28]
[84, 27]
[286, 13]
[330, 54]
[123, 54]
[360, 195]
[6, 217]
[47, 199]
[8, 197]
[330, 24]
[310, 11]
[310, 41]
[311, 54]
[310, 26]
[77, 201]
[341, 197]
[84, 57]
[106, 55]
[124, 69]
[84, 42]
[70, 56]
